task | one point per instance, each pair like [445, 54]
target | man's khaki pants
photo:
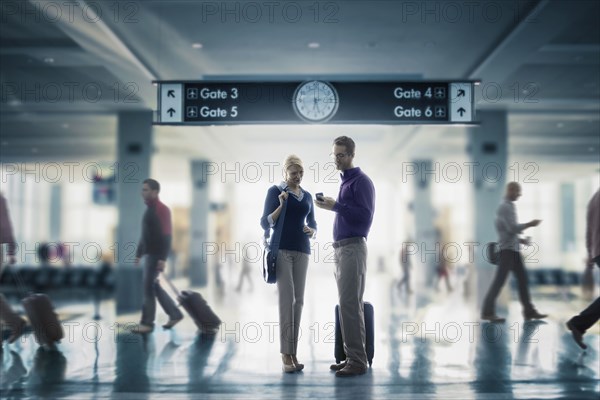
[350, 275]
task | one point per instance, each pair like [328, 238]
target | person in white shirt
[509, 258]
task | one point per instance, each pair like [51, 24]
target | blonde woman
[294, 250]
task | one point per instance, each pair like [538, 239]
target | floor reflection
[199, 352]
[133, 353]
[47, 373]
[529, 340]
[13, 377]
[493, 360]
[360, 387]
[513, 360]
[576, 373]
[202, 376]
[421, 367]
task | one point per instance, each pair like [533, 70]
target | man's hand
[526, 241]
[327, 203]
[160, 266]
[534, 222]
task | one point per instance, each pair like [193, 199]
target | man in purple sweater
[354, 210]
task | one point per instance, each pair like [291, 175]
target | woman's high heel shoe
[288, 364]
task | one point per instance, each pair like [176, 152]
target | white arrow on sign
[171, 102]
[460, 102]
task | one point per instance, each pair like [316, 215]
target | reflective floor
[427, 345]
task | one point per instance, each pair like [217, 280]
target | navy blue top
[298, 213]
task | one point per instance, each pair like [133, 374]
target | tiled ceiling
[546, 51]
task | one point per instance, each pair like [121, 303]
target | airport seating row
[553, 276]
[49, 278]
[74, 283]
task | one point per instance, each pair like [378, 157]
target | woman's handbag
[269, 266]
[272, 248]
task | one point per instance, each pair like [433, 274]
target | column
[488, 151]
[134, 149]
[425, 233]
[567, 205]
[55, 213]
[199, 237]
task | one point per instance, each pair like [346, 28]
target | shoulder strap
[278, 228]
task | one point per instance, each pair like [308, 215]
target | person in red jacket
[155, 245]
[6, 237]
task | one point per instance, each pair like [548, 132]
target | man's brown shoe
[533, 315]
[351, 370]
[577, 335]
[171, 323]
[493, 318]
[337, 367]
[142, 329]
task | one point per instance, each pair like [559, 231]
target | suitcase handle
[19, 281]
[173, 288]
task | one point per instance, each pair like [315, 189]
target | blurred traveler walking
[155, 245]
[588, 317]
[509, 258]
[406, 265]
[7, 314]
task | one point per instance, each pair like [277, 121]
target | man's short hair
[513, 185]
[153, 184]
[345, 141]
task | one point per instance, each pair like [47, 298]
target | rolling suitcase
[340, 355]
[43, 319]
[194, 304]
[40, 311]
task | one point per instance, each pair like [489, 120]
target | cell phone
[319, 196]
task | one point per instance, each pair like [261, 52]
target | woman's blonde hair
[290, 160]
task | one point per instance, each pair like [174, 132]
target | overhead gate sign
[314, 102]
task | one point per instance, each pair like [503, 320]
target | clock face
[315, 101]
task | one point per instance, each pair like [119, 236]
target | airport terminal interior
[447, 103]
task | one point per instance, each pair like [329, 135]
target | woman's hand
[283, 197]
[310, 232]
